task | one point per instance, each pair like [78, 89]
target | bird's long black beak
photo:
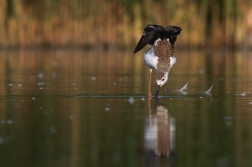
[157, 91]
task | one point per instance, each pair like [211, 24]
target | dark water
[77, 108]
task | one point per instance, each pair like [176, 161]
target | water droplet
[243, 94]
[131, 100]
[201, 71]
[41, 83]
[40, 75]
[9, 122]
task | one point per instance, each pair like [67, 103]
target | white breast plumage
[172, 61]
[150, 59]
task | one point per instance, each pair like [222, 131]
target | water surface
[89, 108]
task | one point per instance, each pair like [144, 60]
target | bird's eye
[163, 79]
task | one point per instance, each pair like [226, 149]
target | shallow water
[86, 108]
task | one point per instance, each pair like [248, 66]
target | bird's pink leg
[149, 93]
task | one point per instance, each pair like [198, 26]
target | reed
[119, 23]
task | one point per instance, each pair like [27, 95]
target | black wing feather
[150, 35]
[171, 33]
[145, 39]
[153, 32]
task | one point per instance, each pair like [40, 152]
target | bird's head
[161, 77]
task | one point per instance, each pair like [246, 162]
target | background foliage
[119, 23]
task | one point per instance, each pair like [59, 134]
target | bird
[160, 56]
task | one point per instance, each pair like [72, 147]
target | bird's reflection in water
[159, 135]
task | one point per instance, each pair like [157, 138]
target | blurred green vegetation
[119, 23]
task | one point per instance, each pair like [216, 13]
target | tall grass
[119, 23]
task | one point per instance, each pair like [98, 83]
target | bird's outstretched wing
[171, 33]
[150, 35]
[152, 32]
